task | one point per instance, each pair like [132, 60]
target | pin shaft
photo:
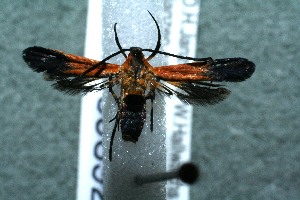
[144, 179]
[188, 173]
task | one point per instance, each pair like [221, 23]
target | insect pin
[191, 82]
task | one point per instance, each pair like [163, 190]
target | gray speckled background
[39, 125]
[247, 146]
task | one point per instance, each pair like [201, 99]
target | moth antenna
[102, 62]
[118, 42]
[178, 56]
[158, 44]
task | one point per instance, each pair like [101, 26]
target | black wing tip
[30, 57]
[41, 59]
[233, 69]
[248, 65]
[30, 51]
[247, 68]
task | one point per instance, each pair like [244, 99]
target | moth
[191, 82]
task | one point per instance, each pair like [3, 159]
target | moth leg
[151, 95]
[111, 90]
[117, 100]
[116, 118]
[151, 116]
[113, 135]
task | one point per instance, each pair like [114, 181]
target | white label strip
[90, 181]
[182, 38]
[90, 167]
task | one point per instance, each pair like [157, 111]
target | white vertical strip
[181, 40]
[90, 164]
[135, 28]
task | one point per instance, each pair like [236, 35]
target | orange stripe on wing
[196, 71]
[78, 65]
[102, 71]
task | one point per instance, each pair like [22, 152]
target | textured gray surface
[39, 126]
[248, 146]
